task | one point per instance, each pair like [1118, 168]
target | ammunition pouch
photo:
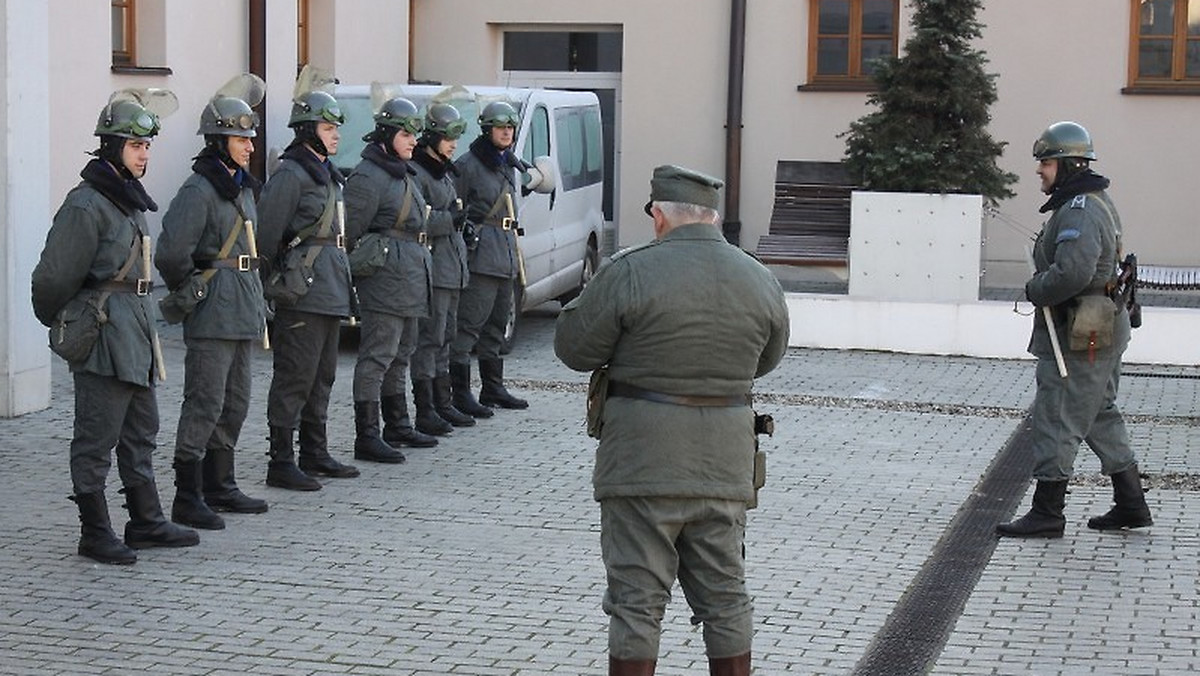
[179, 303]
[1090, 322]
[290, 278]
[369, 254]
[76, 327]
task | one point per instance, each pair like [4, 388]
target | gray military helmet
[127, 119]
[227, 116]
[444, 120]
[1064, 139]
[401, 114]
[315, 106]
[499, 114]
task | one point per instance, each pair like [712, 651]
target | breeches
[647, 543]
[109, 414]
[216, 396]
[434, 335]
[305, 365]
[482, 312]
[1080, 407]
[384, 346]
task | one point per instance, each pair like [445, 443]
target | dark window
[1165, 44]
[846, 36]
[563, 52]
[123, 33]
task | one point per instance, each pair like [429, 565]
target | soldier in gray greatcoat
[1076, 257]
[94, 255]
[384, 202]
[204, 249]
[683, 325]
[486, 176]
[431, 362]
[307, 274]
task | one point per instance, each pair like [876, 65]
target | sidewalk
[482, 556]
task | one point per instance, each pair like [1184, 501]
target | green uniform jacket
[89, 241]
[449, 251]
[1076, 252]
[689, 314]
[195, 227]
[374, 197]
[293, 199]
[480, 183]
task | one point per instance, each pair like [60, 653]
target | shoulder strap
[406, 207]
[324, 225]
[496, 205]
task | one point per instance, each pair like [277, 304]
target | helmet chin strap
[306, 133]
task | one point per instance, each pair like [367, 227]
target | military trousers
[216, 396]
[482, 313]
[111, 413]
[305, 351]
[646, 543]
[385, 344]
[435, 334]
[1081, 407]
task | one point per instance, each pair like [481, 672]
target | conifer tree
[929, 130]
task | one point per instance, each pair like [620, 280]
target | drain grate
[915, 632]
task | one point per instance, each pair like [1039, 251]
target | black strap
[617, 388]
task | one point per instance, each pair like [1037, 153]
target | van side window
[594, 145]
[580, 151]
[537, 143]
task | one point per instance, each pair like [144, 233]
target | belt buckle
[243, 263]
[422, 237]
[341, 241]
[507, 223]
[143, 287]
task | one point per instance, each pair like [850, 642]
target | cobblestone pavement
[482, 556]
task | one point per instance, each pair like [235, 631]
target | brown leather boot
[618, 667]
[738, 665]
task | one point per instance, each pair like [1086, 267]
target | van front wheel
[591, 261]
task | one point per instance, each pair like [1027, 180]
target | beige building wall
[1062, 60]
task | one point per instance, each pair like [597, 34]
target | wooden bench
[810, 221]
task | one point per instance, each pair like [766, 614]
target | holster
[597, 394]
[763, 424]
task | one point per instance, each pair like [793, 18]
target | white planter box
[914, 246]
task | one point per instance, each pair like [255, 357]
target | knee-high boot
[314, 454]
[147, 526]
[493, 392]
[97, 541]
[1045, 517]
[368, 445]
[397, 427]
[618, 667]
[464, 400]
[1129, 504]
[221, 491]
[282, 471]
[428, 420]
[189, 507]
[738, 665]
[443, 403]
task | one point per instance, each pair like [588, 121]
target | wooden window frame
[126, 58]
[1177, 83]
[302, 15]
[856, 79]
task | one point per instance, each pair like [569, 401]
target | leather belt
[140, 287]
[620, 389]
[503, 224]
[339, 241]
[406, 235]
[243, 263]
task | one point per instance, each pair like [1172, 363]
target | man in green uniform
[1076, 256]
[307, 275]
[683, 325]
[204, 250]
[93, 263]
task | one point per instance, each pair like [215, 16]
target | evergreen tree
[929, 132]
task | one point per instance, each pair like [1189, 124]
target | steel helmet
[127, 119]
[1064, 139]
[444, 120]
[400, 113]
[227, 116]
[315, 106]
[499, 114]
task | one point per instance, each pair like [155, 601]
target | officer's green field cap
[677, 184]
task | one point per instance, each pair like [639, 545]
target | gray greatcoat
[483, 177]
[449, 251]
[374, 196]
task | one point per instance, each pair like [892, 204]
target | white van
[562, 221]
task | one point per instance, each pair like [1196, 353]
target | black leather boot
[739, 665]
[97, 541]
[493, 392]
[428, 421]
[443, 403]
[189, 507]
[618, 667]
[464, 400]
[282, 471]
[314, 454]
[221, 491]
[397, 428]
[1045, 518]
[368, 445]
[147, 526]
[1129, 509]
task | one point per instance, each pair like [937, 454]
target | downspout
[732, 223]
[258, 65]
